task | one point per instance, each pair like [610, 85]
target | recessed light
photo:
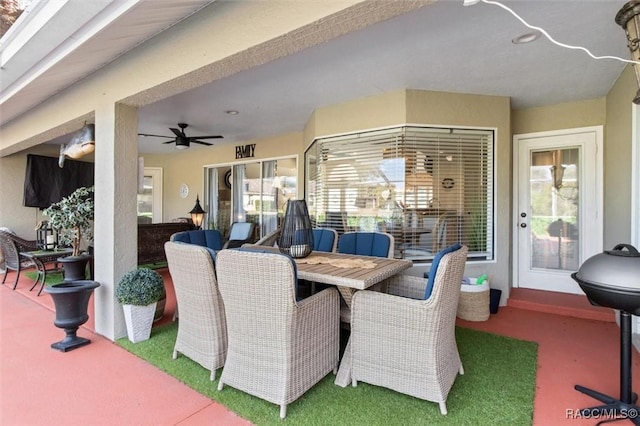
[526, 38]
[232, 112]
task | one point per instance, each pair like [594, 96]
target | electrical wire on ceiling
[551, 39]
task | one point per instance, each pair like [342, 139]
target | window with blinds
[428, 187]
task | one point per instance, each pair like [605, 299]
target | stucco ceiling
[441, 47]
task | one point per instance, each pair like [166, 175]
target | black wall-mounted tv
[46, 183]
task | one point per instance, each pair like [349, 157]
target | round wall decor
[184, 190]
[448, 183]
[227, 179]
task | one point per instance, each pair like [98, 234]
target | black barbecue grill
[612, 279]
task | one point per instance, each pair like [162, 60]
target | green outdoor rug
[52, 277]
[497, 388]
[56, 277]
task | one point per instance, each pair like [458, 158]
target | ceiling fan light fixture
[181, 140]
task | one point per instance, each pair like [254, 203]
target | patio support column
[115, 229]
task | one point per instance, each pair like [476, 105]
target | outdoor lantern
[46, 237]
[629, 18]
[296, 236]
[197, 214]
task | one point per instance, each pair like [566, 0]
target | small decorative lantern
[197, 214]
[46, 237]
[296, 236]
[629, 18]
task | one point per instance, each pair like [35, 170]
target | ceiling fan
[181, 140]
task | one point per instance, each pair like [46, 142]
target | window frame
[320, 150]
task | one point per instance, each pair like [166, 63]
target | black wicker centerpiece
[296, 236]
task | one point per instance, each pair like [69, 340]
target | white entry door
[558, 206]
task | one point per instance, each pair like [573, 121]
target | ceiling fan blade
[177, 132]
[155, 136]
[200, 142]
[171, 141]
[209, 137]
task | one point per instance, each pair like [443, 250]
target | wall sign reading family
[245, 151]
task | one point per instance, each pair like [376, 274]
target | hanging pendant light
[629, 18]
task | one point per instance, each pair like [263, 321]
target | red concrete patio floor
[104, 384]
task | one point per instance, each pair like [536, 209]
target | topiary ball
[140, 287]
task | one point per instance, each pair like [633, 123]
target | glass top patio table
[41, 258]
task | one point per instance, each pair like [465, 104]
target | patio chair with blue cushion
[202, 329]
[209, 238]
[269, 240]
[405, 340]
[279, 347]
[325, 239]
[239, 234]
[378, 244]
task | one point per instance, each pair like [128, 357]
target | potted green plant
[72, 218]
[138, 291]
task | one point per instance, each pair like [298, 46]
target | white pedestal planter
[139, 320]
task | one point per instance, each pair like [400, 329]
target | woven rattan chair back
[202, 329]
[11, 246]
[278, 347]
[409, 345]
[270, 239]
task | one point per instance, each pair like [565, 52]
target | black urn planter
[75, 267]
[71, 300]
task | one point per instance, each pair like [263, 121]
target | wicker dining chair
[269, 240]
[239, 234]
[202, 329]
[405, 344]
[11, 245]
[379, 244]
[278, 347]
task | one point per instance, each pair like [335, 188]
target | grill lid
[617, 268]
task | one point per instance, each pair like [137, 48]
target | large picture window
[428, 187]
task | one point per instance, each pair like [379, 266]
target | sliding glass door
[254, 192]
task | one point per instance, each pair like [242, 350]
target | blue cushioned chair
[239, 234]
[325, 239]
[378, 244]
[209, 238]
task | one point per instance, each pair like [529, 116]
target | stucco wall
[617, 160]
[187, 167]
[567, 115]
[437, 109]
[144, 75]
[614, 112]
[449, 109]
[22, 220]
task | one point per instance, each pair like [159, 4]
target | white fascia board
[104, 15]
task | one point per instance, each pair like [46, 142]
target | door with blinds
[559, 206]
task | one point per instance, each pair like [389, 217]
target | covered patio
[104, 384]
